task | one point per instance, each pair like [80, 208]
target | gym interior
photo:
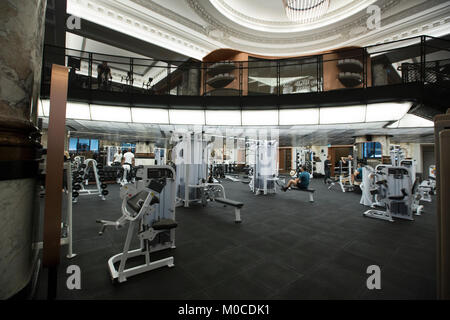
[145, 159]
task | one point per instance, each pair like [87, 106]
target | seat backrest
[136, 201]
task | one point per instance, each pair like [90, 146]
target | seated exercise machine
[394, 193]
[149, 205]
[210, 192]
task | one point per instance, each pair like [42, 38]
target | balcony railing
[421, 59]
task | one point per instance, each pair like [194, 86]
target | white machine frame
[147, 210]
[391, 190]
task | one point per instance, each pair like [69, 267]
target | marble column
[22, 25]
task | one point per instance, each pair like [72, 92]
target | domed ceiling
[197, 27]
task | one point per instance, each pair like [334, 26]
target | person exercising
[127, 164]
[347, 159]
[302, 180]
[358, 174]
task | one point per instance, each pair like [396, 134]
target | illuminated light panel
[78, 111]
[387, 111]
[148, 115]
[335, 115]
[299, 116]
[223, 118]
[177, 116]
[110, 113]
[260, 117]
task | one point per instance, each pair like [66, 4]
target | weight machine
[147, 204]
[191, 158]
[305, 157]
[394, 192]
[345, 178]
[264, 176]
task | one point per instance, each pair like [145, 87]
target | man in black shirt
[103, 74]
[327, 169]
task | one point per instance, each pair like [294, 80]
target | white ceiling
[270, 16]
[197, 27]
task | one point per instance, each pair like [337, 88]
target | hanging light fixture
[304, 11]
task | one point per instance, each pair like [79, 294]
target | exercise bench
[237, 207]
[310, 191]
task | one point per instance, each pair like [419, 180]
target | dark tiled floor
[286, 248]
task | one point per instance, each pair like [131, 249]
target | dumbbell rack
[81, 178]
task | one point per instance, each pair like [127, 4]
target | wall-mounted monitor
[94, 145]
[73, 144]
[83, 145]
[371, 150]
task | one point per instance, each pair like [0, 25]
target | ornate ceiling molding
[154, 23]
[291, 38]
[287, 26]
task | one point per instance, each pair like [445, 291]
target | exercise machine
[394, 192]
[149, 206]
[305, 157]
[265, 167]
[368, 186]
[191, 157]
[344, 178]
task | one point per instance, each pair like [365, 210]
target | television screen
[125, 147]
[73, 144]
[83, 145]
[94, 145]
[372, 150]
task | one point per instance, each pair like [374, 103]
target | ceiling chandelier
[304, 11]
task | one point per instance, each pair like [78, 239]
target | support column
[442, 152]
[21, 44]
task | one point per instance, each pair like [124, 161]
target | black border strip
[19, 169]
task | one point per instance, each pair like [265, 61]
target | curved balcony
[245, 81]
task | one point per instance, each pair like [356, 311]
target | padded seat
[399, 198]
[229, 202]
[164, 224]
